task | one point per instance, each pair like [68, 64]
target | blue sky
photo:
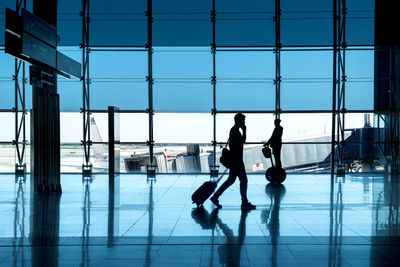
[244, 80]
[182, 84]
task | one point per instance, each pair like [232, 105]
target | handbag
[267, 152]
[226, 157]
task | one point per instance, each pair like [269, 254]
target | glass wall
[183, 90]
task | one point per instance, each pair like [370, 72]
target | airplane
[193, 158]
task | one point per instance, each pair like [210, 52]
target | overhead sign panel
[68, 66]
[13, 22]
[13, 45]
[31, 39]
[37, 50]
[38, 28]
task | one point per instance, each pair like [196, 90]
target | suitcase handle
[222, 175]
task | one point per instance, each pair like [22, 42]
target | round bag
[267, 152]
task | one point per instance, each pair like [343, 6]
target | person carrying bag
[226, 157]
[232, 158]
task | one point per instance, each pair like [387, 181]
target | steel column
[341, 79]
[277, 50]
[19, 107]
[334, 87]
[214, 167]
[20, 130]
[86, 142]
[151, 167]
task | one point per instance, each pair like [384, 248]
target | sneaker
[248, 206]
[215, 201]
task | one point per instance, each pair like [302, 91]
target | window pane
[70, 92]
[69, 27]
[245, 65]
[259, 126]
[134, 158]
[306, 96]
[360, 64]
[182, 23]
[359, 95]
[134, 127]
[313, 156]
[99, 159]
[99, 127]
[71, 158]
[360, 22]
[183, 128]
[306, 65]
[245, 96]
[7, 94]
[233, 29]
[297, 31]
[305, 127]
[118, 65]
[182, 29]
[185, 96]
[124, 95]
[174, 64]
[7, 121]
[131, 29]
[305, 23]
[235, 18]
[68, 121]
[293, 156]
[306, 80]
[191, 158]
[7, 64]
[69, 23]
[358, 120]
[118, 23]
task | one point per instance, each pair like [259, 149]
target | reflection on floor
[308, 221]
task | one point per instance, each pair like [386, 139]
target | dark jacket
[236, 141]
[276, 138]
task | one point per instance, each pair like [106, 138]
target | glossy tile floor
[308, 221]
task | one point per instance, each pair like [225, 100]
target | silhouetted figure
[229, 254]
[236, 142]
[270, 216]
[204, 218]
[275, 142]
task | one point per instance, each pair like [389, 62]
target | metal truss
[339, 84]
[20, 108]
[277, 51]
[151, 167]
[214, 167]
[20, 116]
[85, 110]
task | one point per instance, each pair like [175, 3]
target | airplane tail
[99, 149]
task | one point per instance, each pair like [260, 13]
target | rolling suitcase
[205, 190]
